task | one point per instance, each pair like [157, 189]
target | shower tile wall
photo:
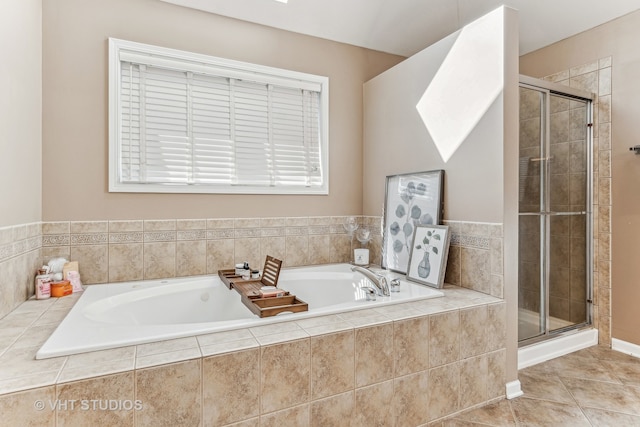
[596, 77]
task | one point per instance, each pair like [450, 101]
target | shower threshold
[555, 346]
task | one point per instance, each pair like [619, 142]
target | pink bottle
[43, 285]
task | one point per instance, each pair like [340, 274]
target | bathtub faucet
[378, 280]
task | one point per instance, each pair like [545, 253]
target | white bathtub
[115, 315]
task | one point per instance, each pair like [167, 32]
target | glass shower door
[554, 225]
[568, 167]
[531, 300]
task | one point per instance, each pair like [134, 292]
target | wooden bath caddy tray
[249, 289]
[267, 307]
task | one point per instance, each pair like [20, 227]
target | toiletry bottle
[239, 269]
[43, 285]
[246, 271]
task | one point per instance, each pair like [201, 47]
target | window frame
[160, 55]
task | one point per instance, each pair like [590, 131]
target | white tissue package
[76, 283]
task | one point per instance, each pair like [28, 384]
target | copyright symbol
[39, 405]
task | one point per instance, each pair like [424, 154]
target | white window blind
[189, 123]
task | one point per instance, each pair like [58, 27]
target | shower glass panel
[554, 218]
[531, 319]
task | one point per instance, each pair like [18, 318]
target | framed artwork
[411, 199]
[429, 252]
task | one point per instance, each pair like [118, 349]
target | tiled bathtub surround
[400, 365]
[20, 256]
[117, 251]
[475, 257]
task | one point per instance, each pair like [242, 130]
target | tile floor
[592, 387]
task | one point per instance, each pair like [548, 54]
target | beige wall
[20, 111]
[619, 39]
[75, 36]
[510, 131]
[20, 148]
[480, 178]
[397, 141]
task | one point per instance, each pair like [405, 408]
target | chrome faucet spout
[378, 280]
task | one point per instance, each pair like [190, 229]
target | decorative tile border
[470, 241]
[244, 233]
[319, 229]
[20, 247]
[160, 236]
[473, 234]
[6, 251]
[56, 240]
[89, 239]
[20, 239]
[273, 232]
[220, 234]
[134, 237]
[192, 235]
[337, 229]
[34, 243]
[296, 231]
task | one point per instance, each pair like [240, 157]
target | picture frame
[411, 199]
[429, 253]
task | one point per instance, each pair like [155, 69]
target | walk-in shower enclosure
[555, 222]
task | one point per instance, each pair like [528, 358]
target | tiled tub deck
[408, 364]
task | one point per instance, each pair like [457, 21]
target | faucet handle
[395, 285]
[369, 292]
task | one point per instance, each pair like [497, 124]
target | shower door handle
[551, 213]
[564, 213]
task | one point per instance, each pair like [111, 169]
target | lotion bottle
[43, 285]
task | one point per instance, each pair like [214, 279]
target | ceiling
[404, 27]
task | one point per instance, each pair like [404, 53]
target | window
[181, 122]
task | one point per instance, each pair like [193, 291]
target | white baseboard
[514, 389]
[625, 347]
[556, 347]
